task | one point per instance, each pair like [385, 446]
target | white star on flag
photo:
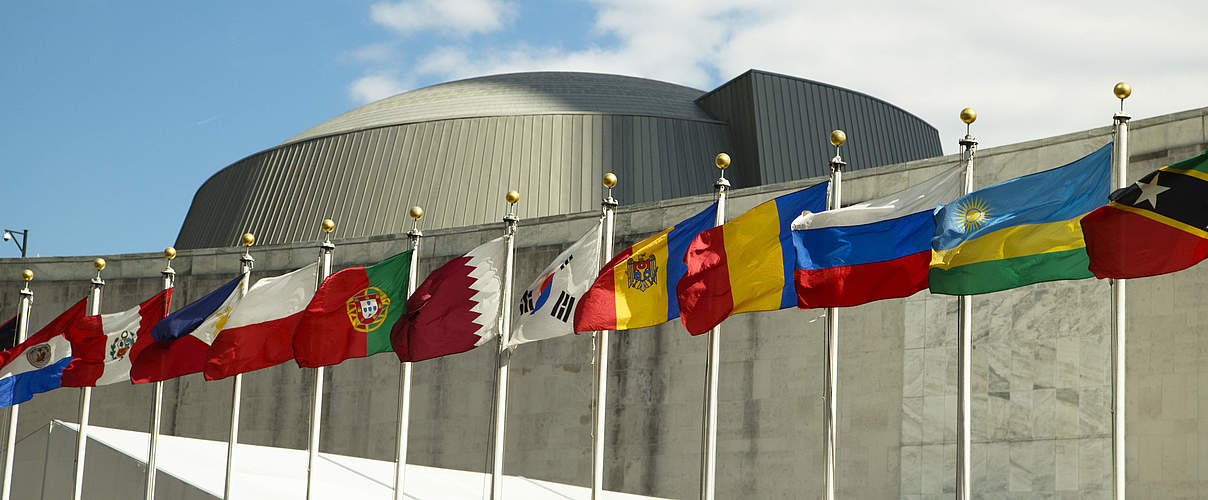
[1150, 192]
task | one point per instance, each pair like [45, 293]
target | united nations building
[1040, 371]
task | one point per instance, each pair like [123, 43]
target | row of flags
[787, 252]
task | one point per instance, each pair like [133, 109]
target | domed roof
[535, 93]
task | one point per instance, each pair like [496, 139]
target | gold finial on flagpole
[837, 138]
[27, 275]
[170, 253]
[99, 264]
[722, 160]
[248, 240]
[968, 115]
[610, 180]
[1122, 90]
[417, 212]
[513, 196]
[328, 225]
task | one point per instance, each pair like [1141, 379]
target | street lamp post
[10, 234]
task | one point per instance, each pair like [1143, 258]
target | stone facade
[1041, 369]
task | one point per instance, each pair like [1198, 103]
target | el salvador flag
[37, 364]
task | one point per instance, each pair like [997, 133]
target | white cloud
[1031, 70]
[370, 88]
[456, 16]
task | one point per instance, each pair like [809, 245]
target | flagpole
[245, 268]
[609, 205]
[964, 353]
[157, 409]
[27, 300]
[504, 355]
[316, 402]
[1119, 477]
[831, 365]
[708, 462]
[94, 309]
[404, 373]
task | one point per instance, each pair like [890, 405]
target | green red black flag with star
[1155, 226]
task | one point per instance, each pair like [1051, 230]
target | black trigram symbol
[526, 302]
[563, 307]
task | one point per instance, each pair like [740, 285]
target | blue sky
[113, 114]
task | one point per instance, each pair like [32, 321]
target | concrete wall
[1042, 390]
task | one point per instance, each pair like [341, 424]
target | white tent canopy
[117, 458]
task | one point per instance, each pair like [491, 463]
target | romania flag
[745, 265]
[637, 288]
[1018, 232]
[1154, 226]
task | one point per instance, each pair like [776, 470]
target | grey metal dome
[456, 148]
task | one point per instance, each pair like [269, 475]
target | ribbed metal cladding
[781, 123]
[457, 147]
[458, 170]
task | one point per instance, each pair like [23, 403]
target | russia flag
[879, 249]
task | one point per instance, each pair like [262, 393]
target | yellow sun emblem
[972, 213]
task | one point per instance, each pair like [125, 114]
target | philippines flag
[37, 364]
[183, 337]
[879, 249]
[103, 351]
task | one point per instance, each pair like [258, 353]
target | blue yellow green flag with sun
[1018, 232]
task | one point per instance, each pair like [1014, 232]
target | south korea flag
[546, 308]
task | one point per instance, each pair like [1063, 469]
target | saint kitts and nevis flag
[1018, 232]
[637, 287]
[878, 249]
[746, 264]
[1154, 226]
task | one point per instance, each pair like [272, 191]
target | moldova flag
[874, 250]
[1155, 226]
[636, 289]
[745, 265]
[1021, 231]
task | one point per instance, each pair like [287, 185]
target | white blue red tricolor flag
[879, 249]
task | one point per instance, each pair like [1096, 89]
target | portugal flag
[1155, 226]
[352, 313]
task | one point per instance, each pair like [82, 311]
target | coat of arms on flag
[643, 272]
[368, 309]
[121, 344]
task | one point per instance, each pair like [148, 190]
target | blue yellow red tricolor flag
[637, 287]
[746, 264]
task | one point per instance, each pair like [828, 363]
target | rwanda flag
[1018, 232]
[1155, 226]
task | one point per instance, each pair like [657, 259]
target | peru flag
[456, 308]
[103, 353]
[260, 331]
